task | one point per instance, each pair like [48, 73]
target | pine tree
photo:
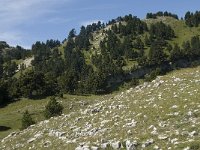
[4, 95]
[138, 44]
[147, 40]
[176, 53]
[156, 55]
[27, 120]
[186, 49]
[72, 34]
[53, 108]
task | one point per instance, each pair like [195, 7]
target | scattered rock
[174, 107]
[116, 145]
[131, 124]
[131, 145]
[31, 140]
[94, 148]
[189, 113]
[187, 148]
[105, 145]
[85, 147]
[47, 143]
[193, 133]
[129, 132]
[174, 140]
[162, 137]
[177, 80]
[147, 143]
[38, 135]
[156, 147]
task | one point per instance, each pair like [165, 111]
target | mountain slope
[161, 114]
[182, 31]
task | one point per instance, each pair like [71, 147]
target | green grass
[10, 116]
[148, 105]
[61, 49]
[129, 65]
[17, 75]
[17, 61]
[182, 31]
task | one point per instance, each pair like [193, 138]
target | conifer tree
[53, 108]
[27, 120]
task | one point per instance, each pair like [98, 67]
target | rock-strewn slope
[26, 63]
[163, 114]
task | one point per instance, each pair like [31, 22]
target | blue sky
[23, 22]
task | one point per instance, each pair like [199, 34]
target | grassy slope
[169, 106]
[13, 112]
[11, 115]
[182, 32]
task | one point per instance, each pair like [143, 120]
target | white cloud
[94, 8]
[11, 37]
[89, 22]
[14, 13]
[58, 20]
[17, 11]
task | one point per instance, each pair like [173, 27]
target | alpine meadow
[127, 83]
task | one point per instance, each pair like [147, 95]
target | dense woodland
[54, 72]
[192, 19]
[160, 14]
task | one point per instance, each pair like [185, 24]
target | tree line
[192, 19]
[160, 14]
[70, 70]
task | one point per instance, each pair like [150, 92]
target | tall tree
[156, 55]
[27, 120]
[72, 34]
[176, 53]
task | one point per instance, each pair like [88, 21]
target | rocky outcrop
[157, 115]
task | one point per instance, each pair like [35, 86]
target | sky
[23, 22]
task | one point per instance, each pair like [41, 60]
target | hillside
[128, 83]
[100, 58]
[157, 115]
[182, 31]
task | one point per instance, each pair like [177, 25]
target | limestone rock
[147, 143]
[116, 145]
[162, 137]
[130, 145]
[31, 140]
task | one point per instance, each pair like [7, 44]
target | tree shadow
[4, 128]
[9, 102]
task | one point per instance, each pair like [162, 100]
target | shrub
[153, 75]
[195, 146]
[53, 108]
[134, 82]
[27, 120]
[195, 63]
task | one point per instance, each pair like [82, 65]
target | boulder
[82, 148]
[193, 133]
[130, 145]
[31, 140]
[105, 145]
[116, 145]
[162, 137]
[47, 144]
[156, 147]
[147, 143]
[94, 148]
